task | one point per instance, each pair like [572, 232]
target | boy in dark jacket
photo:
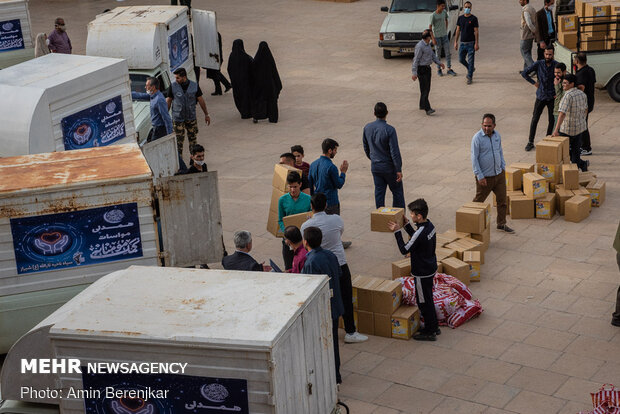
[421, 246]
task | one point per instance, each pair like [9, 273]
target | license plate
[407, 49]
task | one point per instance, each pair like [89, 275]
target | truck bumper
[400, 46]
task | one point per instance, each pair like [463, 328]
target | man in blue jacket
[381, 148]
[160, 118]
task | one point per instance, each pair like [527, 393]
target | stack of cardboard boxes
[594, 37]
[280, 188]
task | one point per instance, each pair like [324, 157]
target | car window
[138, 82]
[399, 6]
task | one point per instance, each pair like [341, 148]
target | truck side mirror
[384, 9]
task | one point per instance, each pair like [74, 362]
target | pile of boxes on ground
[596, 37]
[280, 187]
[552, 185]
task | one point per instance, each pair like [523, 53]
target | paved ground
[544, 341]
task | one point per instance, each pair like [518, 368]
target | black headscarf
[239, 69]
[266, 80]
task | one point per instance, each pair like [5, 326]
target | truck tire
[613, 88]
[387, 54]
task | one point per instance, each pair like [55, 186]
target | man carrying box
[421, 246]
[294, 202]
[487, 158]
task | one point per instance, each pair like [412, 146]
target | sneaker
[585, 152]
[423, 336]
[346, 244]
[430, 111]
[469, 81]
[440, 72]
[506, 229]
[451, 72]
[355, 338]
[530, 146]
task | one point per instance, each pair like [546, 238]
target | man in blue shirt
[160, 118]
[323, 262]
[381, 147]
[421, 69]
[487, 159]
[545, 92]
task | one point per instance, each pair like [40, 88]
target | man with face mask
[467, 29]
[545, 92]
[160, 118]
[545, 27]
[59, 41]
[183, 95]
[421, 69]
[198, 160]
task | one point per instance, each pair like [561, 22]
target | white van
[406, 20]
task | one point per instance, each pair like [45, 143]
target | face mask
[201, 163]
[467, 10]
[550, 7]
[150, 92]
[62, 27]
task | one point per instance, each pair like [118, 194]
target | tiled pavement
[544, 341]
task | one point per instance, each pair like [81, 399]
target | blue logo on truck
[11, 37]
[178, 48]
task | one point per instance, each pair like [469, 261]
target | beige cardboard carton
[296, 219]
[439, 267]
[463, 245]
[383, 325]
[442, 240]
[443, 253]
[562, 195]
[483, 206]
[564, 140]
[597, 193]
[365, 286]
[386, 297]
[365, 322]
[521, 207]
[583, 191]
[585, 178]
[509, 194]
[570, 176]
[380, 218]
[549, 152]
[405, 322]
[567, 22]
[275, 196]
[401, 268]
[457, 268]
[568, 39]
[470, 220]
[455, 234]
[280, 171]
[534, 185]
[272, 224]
[523, 166]
[514, 179]
[577, 208]
[484, 237]
[354, 291]
[551, 172]
[472, 258]
[545, 207]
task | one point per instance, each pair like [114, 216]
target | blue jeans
[526, 52]
[382, 181]
[443, 44]
[467, 49]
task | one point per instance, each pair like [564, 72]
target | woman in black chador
[266, 85]
[239, 70]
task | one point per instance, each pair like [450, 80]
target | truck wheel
[613, 88]
[387, 54]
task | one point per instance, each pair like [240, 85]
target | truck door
[191, 219]
[206, 45]
[162, 156]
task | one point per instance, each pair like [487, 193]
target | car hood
[406, 22]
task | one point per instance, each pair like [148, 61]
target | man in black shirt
[467, 28]
[198, 163]
[586, 78]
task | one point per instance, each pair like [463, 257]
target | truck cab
[406, 20]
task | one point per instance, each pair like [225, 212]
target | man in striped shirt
[421, 69]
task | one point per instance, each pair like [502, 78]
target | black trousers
[336, 350]
[616, 314]
[156, 133]
[346, 292]
[219, 78]
[424, 298]
[585, 138]
[287, 256]
[424, 77]
[539, 107]
[574, 143]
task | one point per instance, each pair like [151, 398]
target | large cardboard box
[583, 191]
[549, 152]
[585, 178]
[594, 42]
[484, 237]
[567, 22]
[580, 6]
[570, 176]
[383, 325]
[470, 220]
[509, 194]
[545, 207]
[457, 268]
[455, 234]
[365, 286]
[296, 219]
[365, 322]
[401, 268]
[380, 218]
[442, 240]
[354, 291]
[600, 9]
[563, 195]
[521, 207]
[443, 253]
[272, 224]
[564, 140]
[568, 39]
[472, 258]
[463, 245]
[551, 172]
[534, 185]
[523, 166]
[483, 206]
[597, 193]
[405, 322]
[577, 208]
[386, 297]
[280, 171]
[514, 179]
[275, 196]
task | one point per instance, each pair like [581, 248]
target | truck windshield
[399, 6]
[138, 82]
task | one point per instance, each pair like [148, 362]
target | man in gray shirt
[421, 69]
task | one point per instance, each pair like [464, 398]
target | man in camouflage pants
[182, 96]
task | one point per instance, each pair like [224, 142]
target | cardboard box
[583, 191]
[593, 42]
[598, 9]
[383, 325]
[523, 166]
[275, 196]
[442, 241]
[521, 207]
[401, 268]
[549, 152]
[463, 245]
[443, 253]
[534, 185]
[380, 218]
[365, 286]
[272, 224]
[386, 297]
[472, 258]
[405, 322]
[439, 267]
[562, 195]
[280, 171]
[597, 193]
[577, 208]
[457, 268]
[354, 291]
[470, 220]
[586, 177]
[483, 206]
[570, 176]
[509, 194]
[545, 207]
[514, 179]
[565, 143]
[365, 322]
[551, 172]
[484, 237]
[296, 219]
[567, 22]
[568, 39]
[580, 6]
[552, 187]
[455, 235]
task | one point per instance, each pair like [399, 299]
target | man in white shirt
[332, 227]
